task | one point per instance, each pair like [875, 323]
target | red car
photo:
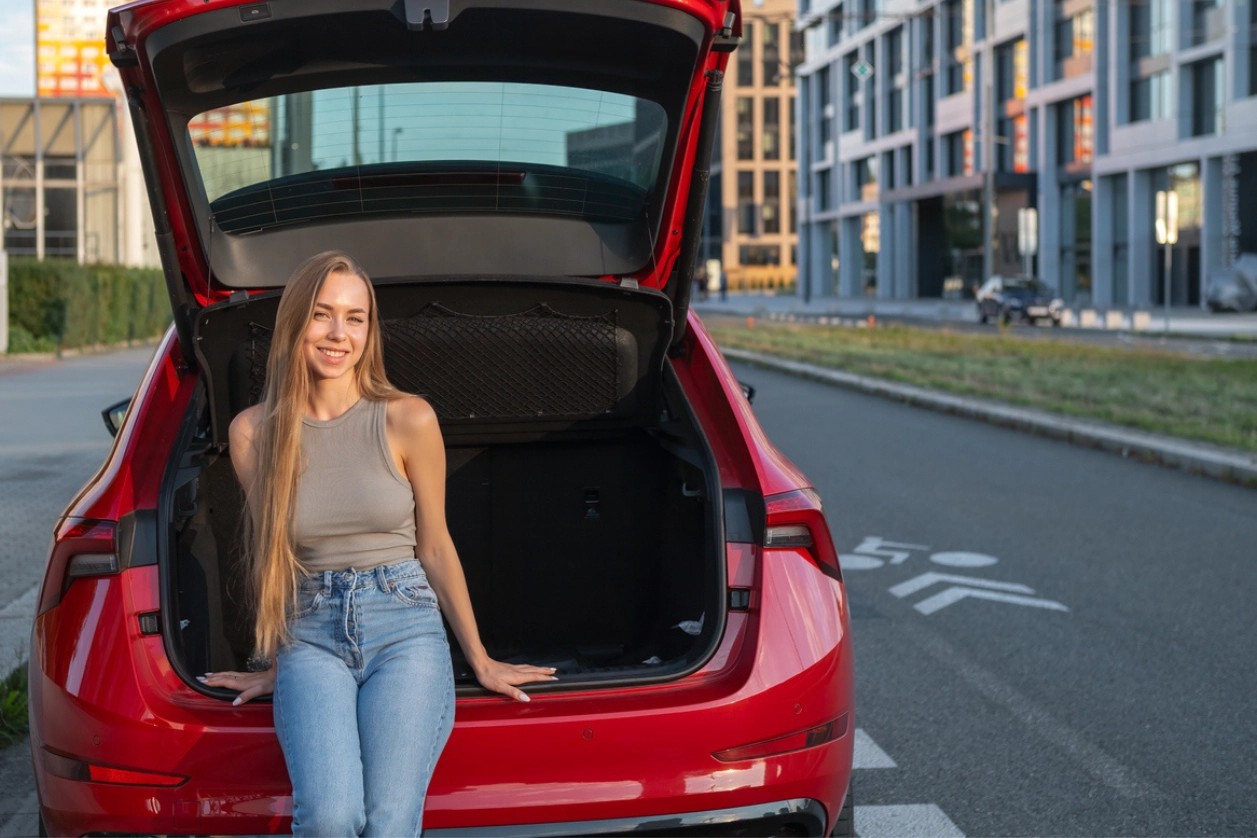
[524, 180]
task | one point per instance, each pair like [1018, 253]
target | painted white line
[918, 583]
[917, 820]
[956, 593]
[1092, 759]
[868, 754]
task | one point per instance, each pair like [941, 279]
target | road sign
[1028, 231]
[862, 70]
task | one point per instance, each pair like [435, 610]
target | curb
[1224, 464]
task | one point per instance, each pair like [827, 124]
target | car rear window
[429, 147]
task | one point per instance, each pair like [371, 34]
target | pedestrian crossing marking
[912, 820]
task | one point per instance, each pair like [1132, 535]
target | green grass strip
[14, 722]
[1207, 399]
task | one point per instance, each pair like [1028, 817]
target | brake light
[81, 548]
[794, 520]
[87, 772]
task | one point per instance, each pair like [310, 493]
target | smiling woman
[344, 478]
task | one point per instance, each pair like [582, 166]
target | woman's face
[337, 332]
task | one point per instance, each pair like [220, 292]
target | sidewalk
[1225, 464]
[1182, 321]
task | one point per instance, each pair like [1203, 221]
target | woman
[349, 558]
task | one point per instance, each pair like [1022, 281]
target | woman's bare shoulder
[411, 415]
[244, 426]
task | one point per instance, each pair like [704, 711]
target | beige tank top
[354, 509]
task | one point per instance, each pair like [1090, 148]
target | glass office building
[930, 127]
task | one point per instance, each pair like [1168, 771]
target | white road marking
[953, 559]
[909, 821]
[923, 581]
[868, 754]
[957, 592]
[913, 820]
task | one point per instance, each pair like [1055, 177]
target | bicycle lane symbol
[875, 552]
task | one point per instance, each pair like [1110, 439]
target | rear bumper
[612, 761]
[781, 817]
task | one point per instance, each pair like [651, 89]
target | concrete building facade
[931, 125]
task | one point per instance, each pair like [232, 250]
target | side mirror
[748, 391]
[114, 414]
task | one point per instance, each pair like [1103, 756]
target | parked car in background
[1234, 288]
[525, 184]
[1022, 298]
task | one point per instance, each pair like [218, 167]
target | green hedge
[69, 305]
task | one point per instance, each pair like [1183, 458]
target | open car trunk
[580, 492]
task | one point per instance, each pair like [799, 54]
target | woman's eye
[358, 321]
[320, 315]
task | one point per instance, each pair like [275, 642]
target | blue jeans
[364, 700]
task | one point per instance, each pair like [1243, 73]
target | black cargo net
[538, 363]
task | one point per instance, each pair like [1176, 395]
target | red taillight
[83, 547]
[810, 738]
[87, 772]
[794, 520]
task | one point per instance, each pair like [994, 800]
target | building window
[793, 138]
[1207, 97]
[746, 56]
[1075, 139]
[746, 128]
[1121, 240]
[824, 105]
[957, 35]
[1151, 28]
[1207, 21]
[1150, 97]
[956, 154]
[771, 65]
[758, 254]
[1075, 40]
[824, 194]
[746, 203]
[772, 128]
[835, 24]
[898, 81]
[865, 173]
[792, 193]
[771, 212]
[851, 113]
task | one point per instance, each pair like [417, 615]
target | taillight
[794, 520]
[84, 547]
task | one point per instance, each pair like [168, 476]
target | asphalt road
[1049, 640]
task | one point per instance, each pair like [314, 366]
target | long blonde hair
[273, 569]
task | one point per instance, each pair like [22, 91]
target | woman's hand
[250, 684]
[503, 678]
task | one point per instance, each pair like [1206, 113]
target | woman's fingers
[250, 685]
